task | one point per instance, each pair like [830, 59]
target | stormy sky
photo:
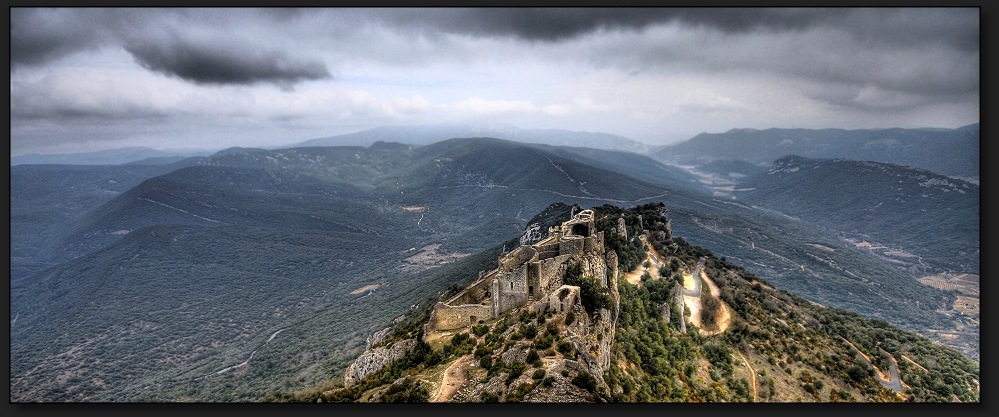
[92, 79]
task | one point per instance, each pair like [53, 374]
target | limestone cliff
[374, 359]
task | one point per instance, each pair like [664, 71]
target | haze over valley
[242, 205]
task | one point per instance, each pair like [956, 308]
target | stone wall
[571, 245]
[509, 290]
[476, 293]
[447, 317]
[594, 244]
[551, 272]
[547, 251]
[563, 298]
[517, 258]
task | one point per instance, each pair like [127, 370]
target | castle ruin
[529, 275]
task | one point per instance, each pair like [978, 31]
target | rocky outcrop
[376, 337]
[561, 390]
[677, 295]
[592, 336]
[374, 359]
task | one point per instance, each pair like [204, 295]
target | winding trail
[914, 363]
[180, 210]
[590, 197]
[454, 377]
[893, 381]
[752, 372]
[696, 279]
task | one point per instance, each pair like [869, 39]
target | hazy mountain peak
[428, 134]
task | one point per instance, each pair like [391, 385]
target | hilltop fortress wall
[530, 274]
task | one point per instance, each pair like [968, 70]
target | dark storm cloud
[556, 24]
[152, 37]
[955, 27]
[213, 62]
[38, 36]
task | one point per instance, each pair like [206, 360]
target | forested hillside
[931, 218]
[952, 152]
[747, 342]
[146, 275]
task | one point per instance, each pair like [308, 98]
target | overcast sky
[92, 79]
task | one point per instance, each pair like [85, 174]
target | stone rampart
[476, 293]
[447, 317]
[517, 258]
[594, 244]
[547, 251]
[562, 299]
[551, 272]
[571, 245]
[510, 289]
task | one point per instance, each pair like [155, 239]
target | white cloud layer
[92, 78]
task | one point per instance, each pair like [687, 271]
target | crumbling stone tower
[525, 275]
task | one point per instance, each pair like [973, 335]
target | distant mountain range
[924, 218]
[427, 134]
[158, 282]
[135, 155]
[952, 152]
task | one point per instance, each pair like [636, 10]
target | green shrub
[585, 381]
[533, 357]
[544, 342]
[552, 329]
[516, 370]
[407, 391]
[480, 330]
[592, 295]
[529, 331]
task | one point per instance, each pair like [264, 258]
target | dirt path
[454, 376]
[692, 285]
[893, 380]
[724, 319]
[655, 262]
[914, 363]
[752, 372]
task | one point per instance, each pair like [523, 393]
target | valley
[790, 349]
[326, 245]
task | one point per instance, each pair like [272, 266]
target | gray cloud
[152, 37]
[40, 35]
[956, 27]
[866, 62]
[554, 24]
[224, 63]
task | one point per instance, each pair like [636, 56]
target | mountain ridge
[952, 152]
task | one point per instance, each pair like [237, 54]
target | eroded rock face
[562, 390]
[593, 336]
[517, 353]
[376, 337]
[592, 340]
[374, 359]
